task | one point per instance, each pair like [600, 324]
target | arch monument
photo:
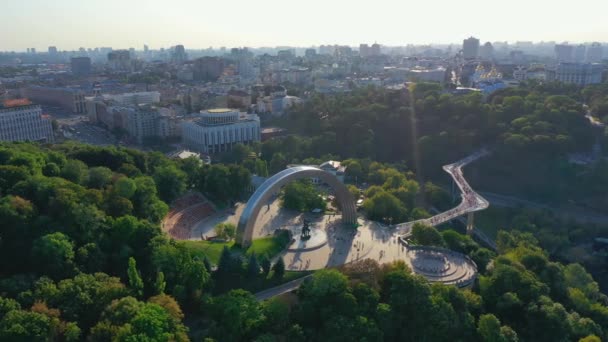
[260, 197]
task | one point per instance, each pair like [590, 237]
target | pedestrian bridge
[471, 201]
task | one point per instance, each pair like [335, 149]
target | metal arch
[261, 196]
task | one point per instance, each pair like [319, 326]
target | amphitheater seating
[185, 213]
[186, 201]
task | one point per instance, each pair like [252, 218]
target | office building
[179, 54]
[20, 120]
[81, 66]
[470, 48]
[52, 50]
[310, 53]
[564, 53]
[67, 98]
[217, 130]
[364, 50]
[119, 60]
[428, 75]
[139, 98]
[580, 53]
[594, 53]
[581, 74]
[142, 122]
[375, 49]
[486, 52]
[208, 68]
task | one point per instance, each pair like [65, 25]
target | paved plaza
[333, 244]
[343, 244]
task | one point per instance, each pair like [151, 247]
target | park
[330, 240]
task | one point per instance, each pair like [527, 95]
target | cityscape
[377, 191]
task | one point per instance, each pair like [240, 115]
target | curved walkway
[471, 201]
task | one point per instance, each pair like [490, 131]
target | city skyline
[196, 25]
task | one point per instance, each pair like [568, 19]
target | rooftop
[15, 103]
[219, 110]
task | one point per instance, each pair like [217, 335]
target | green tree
[426, 235]
[99, 177]
[279, 268]
[265, 263]
[160, 283]
[383, 206]
[20, 325]
[237, 316]
[278, 163]
[125, 187]
[75, 171]
[253, 267]
[135, 282]
[129, 320]
[225, 230]
[55, 254]
[170, 182]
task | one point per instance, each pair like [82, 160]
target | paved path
[281, 289]
[471, 201]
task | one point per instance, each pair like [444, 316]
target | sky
[70, 24]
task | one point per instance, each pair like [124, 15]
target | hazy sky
[70, 24]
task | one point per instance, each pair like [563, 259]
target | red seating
[179, 224]
[185, 201]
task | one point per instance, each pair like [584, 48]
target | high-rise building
[286, 54]
[33, 51]
[470, 48]
[564, 53]
[208, 68]
[119, 60]
[217, 130]
[179, 54]
[310, 53]
[81, 66]
[375, 49]
[146, 49]
[364, 50]
[20, 120]
[594, 53]
[486, 52]
[52, 50]
[579, 53]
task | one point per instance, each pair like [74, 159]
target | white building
[564, 52]
[217, 130]
[142, 123]
[23, 121]
[145, 97]
[579, 53]
[428, 75]
[580, 74]
[594, 53]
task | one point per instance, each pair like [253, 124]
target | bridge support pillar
[470, 223]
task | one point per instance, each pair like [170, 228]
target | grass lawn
[269, 246]
[212, 250]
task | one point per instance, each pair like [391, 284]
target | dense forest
[536, 125]
[82, 257]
